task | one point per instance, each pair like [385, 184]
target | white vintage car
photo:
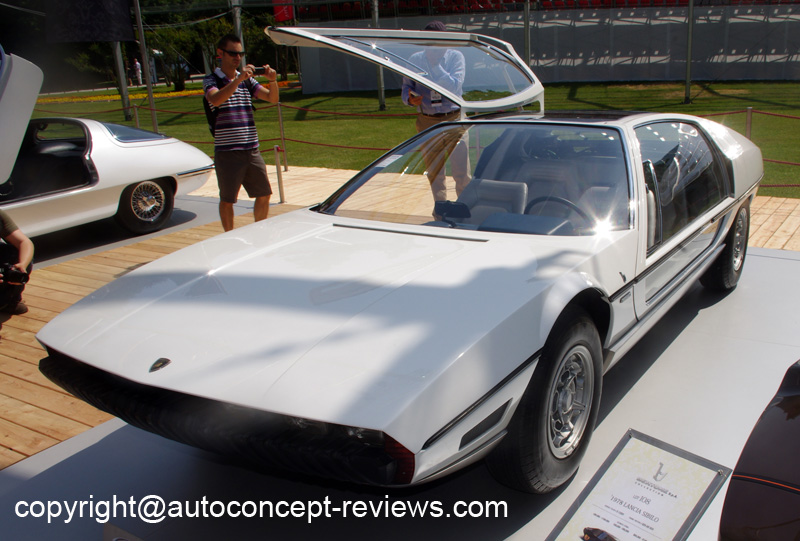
[57, 173]
[396, 333]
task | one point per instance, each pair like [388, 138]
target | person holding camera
[237, 159]
[16, 257]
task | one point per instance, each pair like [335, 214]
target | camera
[12, 275]
[259, 71]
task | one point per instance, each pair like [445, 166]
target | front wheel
[145, 207]
[553, 424]
[724, 273]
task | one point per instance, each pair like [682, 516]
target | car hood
[20, 82]
[309, 315]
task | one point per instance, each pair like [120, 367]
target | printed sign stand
[646, 490]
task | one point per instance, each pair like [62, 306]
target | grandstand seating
[349, 9]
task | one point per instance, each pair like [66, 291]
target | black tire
[145, 207]
[541, 451]
[724, 273]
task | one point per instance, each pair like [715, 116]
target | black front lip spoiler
[262, 440]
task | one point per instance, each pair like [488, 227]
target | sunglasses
[233, 53]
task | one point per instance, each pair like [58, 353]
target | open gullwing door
[496, 78]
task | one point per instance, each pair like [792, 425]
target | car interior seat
[605, 195]
[485, 197]
[547, 179]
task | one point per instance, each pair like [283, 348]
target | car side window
[682, 176]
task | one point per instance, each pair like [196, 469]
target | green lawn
[346, 130]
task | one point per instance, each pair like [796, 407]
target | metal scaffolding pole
[237, 25]
[687, 97]
[381, 84]
[146, 65]
[122, 76]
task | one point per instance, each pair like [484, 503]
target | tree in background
[184, 33]
[208, 33]
[175, 46]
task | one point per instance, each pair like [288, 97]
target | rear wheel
[724, 273]
[552, 426]
[145, 207]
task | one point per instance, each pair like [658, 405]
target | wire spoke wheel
[147, 201]
[146, 206]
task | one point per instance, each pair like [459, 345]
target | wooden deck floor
[775, 223]
[36, 414]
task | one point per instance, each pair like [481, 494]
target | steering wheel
[537, 153]
[555, 199]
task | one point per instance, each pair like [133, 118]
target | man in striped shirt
[237, 159]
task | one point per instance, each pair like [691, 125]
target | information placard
[647, 490]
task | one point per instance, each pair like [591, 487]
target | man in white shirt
[447, 69]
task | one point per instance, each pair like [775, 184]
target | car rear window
[127, 134]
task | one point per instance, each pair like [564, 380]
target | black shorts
[237, 168]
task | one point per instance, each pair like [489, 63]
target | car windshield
[530, 178]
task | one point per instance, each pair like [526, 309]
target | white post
[283, 137]
[749, 122]
[280, 175]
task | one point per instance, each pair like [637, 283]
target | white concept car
[57, 173]
[395, 333]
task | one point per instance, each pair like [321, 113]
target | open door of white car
[20, 82]
[496, 78]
